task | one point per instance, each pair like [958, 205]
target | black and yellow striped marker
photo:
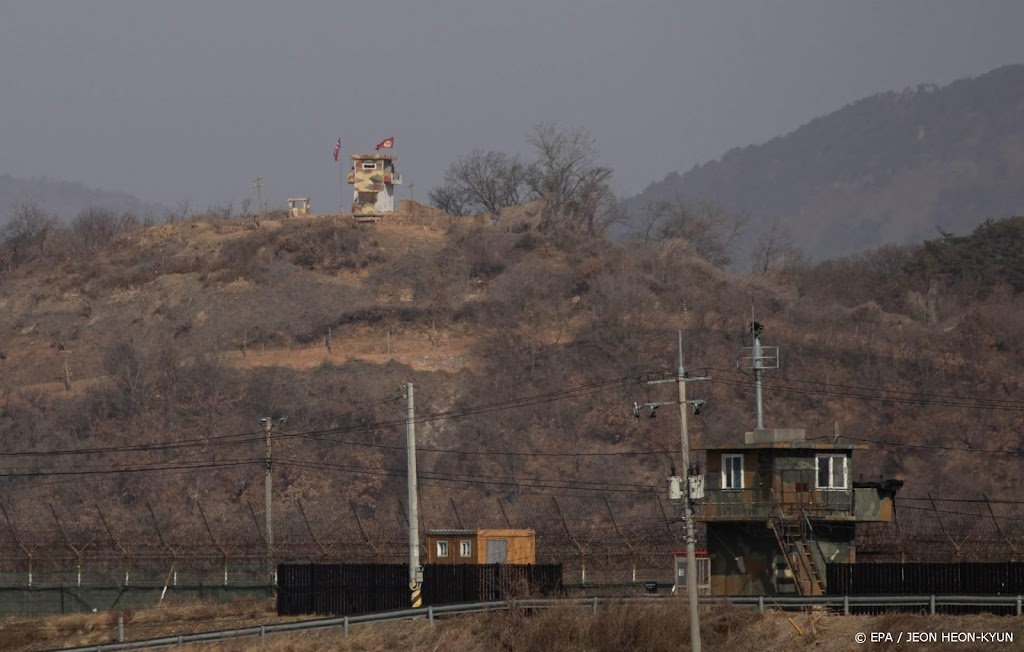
[417, 594]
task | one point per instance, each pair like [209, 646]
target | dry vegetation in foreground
[75, 630]
[639, 628]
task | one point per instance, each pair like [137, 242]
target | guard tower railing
[760, 503]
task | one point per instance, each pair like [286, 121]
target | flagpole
[341, 176]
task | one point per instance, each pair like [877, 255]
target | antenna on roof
[759, 359]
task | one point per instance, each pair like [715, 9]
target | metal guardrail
[930, 602]
[761, 602]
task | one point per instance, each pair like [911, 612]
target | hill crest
[889, 168]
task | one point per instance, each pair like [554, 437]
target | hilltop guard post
[373, 180]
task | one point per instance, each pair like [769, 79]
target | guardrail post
[595, 604]
[263, 636]
[430, 614]
[760, 603]
[846, 605]
[345, 623]
[1020, 599]
[120, 629]
[931, 604]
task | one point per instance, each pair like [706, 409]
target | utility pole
[268, 429]
[755, 327]
[760, 359]
[415, 571]
[691, 556]
[687, 490]
[258, 183]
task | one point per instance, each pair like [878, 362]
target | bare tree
[245, 205]
[29, 227]
[97, 227]
[221, 211]
[482, 182]
[775, 251]
[449, 200]
[568, 179]
[710, 232]
[123, 362]
[183, 212]
[651, 216]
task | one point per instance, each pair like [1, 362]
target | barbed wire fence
[597, 539]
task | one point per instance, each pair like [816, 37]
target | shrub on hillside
[485, 250]
[327, 245]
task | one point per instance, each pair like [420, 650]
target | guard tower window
[831, 471]
[369, 165]
[442, 548]
[732, 471]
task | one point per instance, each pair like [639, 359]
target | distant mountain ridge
[66, 198]
[892, 167]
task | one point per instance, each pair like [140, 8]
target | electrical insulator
[675, 488]
[696, 487]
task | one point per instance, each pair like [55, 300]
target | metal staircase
[795, 538]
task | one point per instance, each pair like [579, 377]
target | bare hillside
[159, 350]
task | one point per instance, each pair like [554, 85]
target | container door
[497, 551]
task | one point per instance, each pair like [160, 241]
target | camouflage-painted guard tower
[778, 507]
[373, 180]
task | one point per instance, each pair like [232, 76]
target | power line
[960, 449]
[875, 394]
[952, 513]
[250, 437]
[427, 477]
[9, 473]
[962, 500]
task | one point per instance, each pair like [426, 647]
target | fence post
[846, 605]
[263, 636]
[1020, 599]
[760, 603]
[345, 622]
[595, 604]
[931, 604]
[430, 614]
[120, 629]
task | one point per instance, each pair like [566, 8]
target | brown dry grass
[31, 634]
[640, 628]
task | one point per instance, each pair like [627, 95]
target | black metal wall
[350, 589]
[341, 589]
[1001, 578]
[454, 583]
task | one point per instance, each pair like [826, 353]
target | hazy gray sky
[177, 100]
